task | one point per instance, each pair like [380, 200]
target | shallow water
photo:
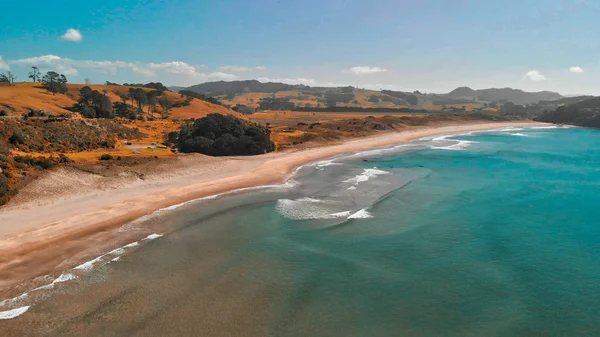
[482, 234]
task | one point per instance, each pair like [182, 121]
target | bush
[220, 135]
[39, 162]
[4, 190]
[106, 156]
[16, 138]
[171, 138]
[3, 113]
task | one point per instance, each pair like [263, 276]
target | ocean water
[481, 234]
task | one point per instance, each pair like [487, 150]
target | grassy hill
[251, 93]
[515, 96]
[23, 97]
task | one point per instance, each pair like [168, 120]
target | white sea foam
[89, 264]
[511, 129]
[305, 209]
[362, 214]
[366, 175]
[62, 278]
[458, 146]
[323, 164]
[287, 185]
[520, 134]
[340, 214]
[133, 244]
[13, 300]
[152, 237]
[13, 313]
[116, 259]
[352, 187]
[550, 127]
[118, 251]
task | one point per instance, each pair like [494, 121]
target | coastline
[40, 238]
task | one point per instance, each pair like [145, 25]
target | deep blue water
[482, 234]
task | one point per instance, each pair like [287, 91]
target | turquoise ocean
[481, 234]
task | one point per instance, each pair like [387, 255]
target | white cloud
[220, 76]
[176, 67]
[241, 69]
[37, 61]
[362, 70]
[534, 75]
[107, 67]
[3, 65]
[66, 70]
[72, 35]
[181, 69]
[49, 62]
[575, 70]
[176, 71]
[297, 80]
[143, 71]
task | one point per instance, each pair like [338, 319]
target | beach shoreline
[43, 237]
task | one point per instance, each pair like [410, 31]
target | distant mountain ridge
[251, 92]
[516, 96]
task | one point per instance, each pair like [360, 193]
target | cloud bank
[181, 71]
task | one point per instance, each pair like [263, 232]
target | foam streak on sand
[61, 224]
[13, 313]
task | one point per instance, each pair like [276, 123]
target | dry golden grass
[24, 96]
[469, 107]
[252, 99]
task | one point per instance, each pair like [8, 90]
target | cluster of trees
[411, 99]
[152, 85]
[220, 135]
[332, 98]
[96, 104]
[275, 103]
[201, 97]
[585, 113]
[8, 78]
[55, 83]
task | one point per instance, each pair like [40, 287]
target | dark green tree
[34, 74]
[55, 83]
[166, 105]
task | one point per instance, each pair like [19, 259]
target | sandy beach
[66, 217]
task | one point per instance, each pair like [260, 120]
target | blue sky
[430, 45]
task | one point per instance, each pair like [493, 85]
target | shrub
[39, 162]
[171, 138]
[220, 135]
[16, 138]
[106, 156]
[4, 190]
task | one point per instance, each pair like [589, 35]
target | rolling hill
[250, 93]
[23, 97]
[492, 95]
